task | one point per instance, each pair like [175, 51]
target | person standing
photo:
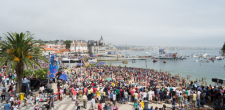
[218, 99]
[198, 98]
[7, 106]
[126, 97]
[174, 101]
[122, 97]
[180, 100]
[194, 97]
[136, 96]
[114, 98]
[78, 104]
[84, 98]
[150, 94]
[117, 94]
[100, 106]
[132, 91]
[185, 101]
[92, 103]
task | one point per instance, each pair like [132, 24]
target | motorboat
[204, 61]
[164, 61]
[182, 57]
[124, 62]
[219, 57]
[204, 55]
[154, 61]
[194, 56]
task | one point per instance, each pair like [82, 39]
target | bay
[186, 67]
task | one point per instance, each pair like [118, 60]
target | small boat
[204, 61]
[219, 59]
[164, 61]
[196, 60]
[124, 62]
[155, 61]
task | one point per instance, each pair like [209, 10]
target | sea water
[186, 67]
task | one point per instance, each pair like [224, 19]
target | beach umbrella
[102, 63]
[80, 64]
[91, 62]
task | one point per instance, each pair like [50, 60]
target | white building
[110, 48]
[97, 47]
[78, 46]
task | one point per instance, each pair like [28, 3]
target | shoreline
[191, 78]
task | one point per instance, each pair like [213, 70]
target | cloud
[120, 22]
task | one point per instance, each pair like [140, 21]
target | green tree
[20, 54]
[223, 49]
[68, 42]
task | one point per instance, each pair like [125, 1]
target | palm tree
[20, 54]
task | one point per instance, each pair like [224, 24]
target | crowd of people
[115, 85]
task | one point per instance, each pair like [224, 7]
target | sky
[119, 22]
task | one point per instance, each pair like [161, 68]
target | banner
[53, 69]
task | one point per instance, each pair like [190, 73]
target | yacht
[194, 56]
[204, 55]
[219, 57]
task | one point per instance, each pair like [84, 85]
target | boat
[204, 61]
[155, 61]
[204, 55]
[196, 60]
[124, 62]
[219, 59]
[164, 61]
[182, 58]
[194, 56]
